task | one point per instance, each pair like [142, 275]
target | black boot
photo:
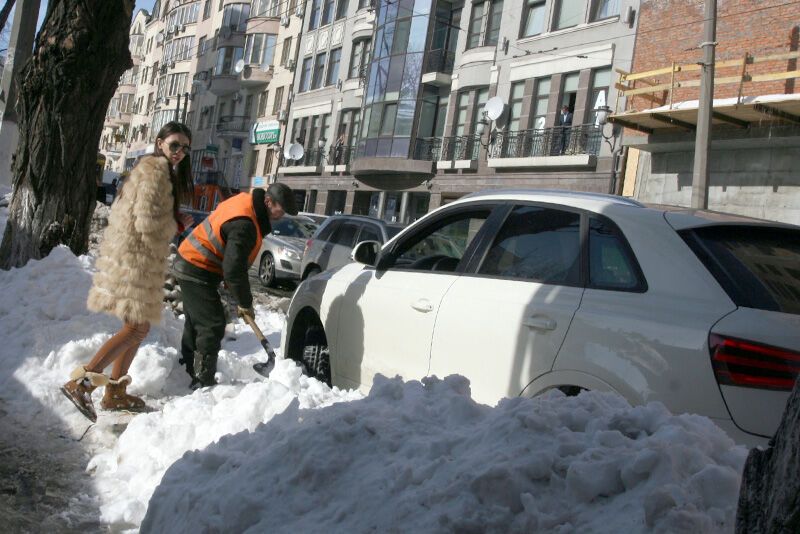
[205, 367]
[187, 360]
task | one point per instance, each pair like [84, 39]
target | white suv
[524, 291]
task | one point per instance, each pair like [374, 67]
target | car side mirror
[366, 252]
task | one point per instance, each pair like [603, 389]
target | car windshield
[756, 265]
[288, 227]
[392, 231]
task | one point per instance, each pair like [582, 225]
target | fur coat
[132, 261]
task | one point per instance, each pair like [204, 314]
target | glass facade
[394, 78]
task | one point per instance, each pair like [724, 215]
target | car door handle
[422, 305]
[540, 323]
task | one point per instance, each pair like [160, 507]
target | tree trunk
[65, 88]
[769, 499]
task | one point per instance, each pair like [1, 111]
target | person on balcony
[565, 121]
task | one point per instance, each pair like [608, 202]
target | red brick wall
[669, 30]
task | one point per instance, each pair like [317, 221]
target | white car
[525, 291]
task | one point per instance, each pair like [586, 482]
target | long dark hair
[182, 183]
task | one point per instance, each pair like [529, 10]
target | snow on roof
[722, 102]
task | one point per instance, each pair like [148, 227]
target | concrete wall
[762, 182]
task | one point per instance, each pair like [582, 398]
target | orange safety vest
[204, 247]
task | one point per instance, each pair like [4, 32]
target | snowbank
[424, 457]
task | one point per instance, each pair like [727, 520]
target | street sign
[266, 133]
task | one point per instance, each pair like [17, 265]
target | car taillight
[308, 245]
[743, 363]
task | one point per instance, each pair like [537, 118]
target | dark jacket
[240, 236]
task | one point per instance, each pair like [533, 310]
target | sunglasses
[175, 146]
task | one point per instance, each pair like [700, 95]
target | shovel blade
[264, 368]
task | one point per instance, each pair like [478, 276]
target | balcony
[575, 146]
[224, 84]
[339, 158]
[310, 163]
[437, 67]
[253, 76]
[456, 152]
[233, 125]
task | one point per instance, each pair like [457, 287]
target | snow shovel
[262, 368]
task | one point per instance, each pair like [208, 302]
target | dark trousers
[203, 329]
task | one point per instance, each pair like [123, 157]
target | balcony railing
[341, 155]
[428, 148]
[463, 147]
[557, 141]
[439, 60]
[233, 123]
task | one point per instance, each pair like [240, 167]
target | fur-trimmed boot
[116, 398]
[79, 390]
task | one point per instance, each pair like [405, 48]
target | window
[568, 13]
[475, 23]
[537, 244]
[226, 59]
[569, 92]
[539, 107]
[534, 15]
[441, 245]
[461, 113]
[387, 122]
[359, 56]
[601, 81]
[278, 103]
[515, 106]
[327, 12]
[207, 9]
[481, 96]
[287, 50]
[364, 3]
[267, 163]
[266, 8]
[313, 17]
[341, 9]
[201, 46]
[259, 49]
[333, 67]
[345, 235]
[603, 9]
[235, 16]
[248, 106]
[262, 103]
[305, 75]
[611, 263]
[484, 23]
[319, 68]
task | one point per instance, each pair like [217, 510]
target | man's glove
[246, 312]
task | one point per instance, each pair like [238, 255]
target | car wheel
[316, 356]
[312, 271]
[266, 270]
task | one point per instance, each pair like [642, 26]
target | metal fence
[340, 155]
[427, 148]
[234, 123]
[557, 141]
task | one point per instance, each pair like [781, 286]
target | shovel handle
[254, 326]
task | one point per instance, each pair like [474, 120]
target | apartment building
[755, 130]
[390, 99]
[223, 67]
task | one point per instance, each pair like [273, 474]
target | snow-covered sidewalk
[288, 454]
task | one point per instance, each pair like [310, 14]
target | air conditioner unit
[284, 20]
[301, 10]
[290, 64]
[283, 116]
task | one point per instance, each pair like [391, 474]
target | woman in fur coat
[131, 267]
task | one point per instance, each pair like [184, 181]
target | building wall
[753, 171]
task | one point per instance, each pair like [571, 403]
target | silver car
[281, 252]
[331, 244]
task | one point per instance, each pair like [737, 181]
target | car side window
[441, 245]
[345, 235]
[611, 265]
[537, 244]
[370, 232]
[326, 230]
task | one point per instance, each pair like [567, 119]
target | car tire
[311, 271]
[316, 356]
[266, 270]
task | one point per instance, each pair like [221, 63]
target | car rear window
[759, 267]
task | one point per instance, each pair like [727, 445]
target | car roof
[361, 218]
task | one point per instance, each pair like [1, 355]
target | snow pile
[424, 457]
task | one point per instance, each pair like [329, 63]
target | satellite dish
[494, 107]
[287, 153]
[296, 151]
[239, 66]
[159, 37]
